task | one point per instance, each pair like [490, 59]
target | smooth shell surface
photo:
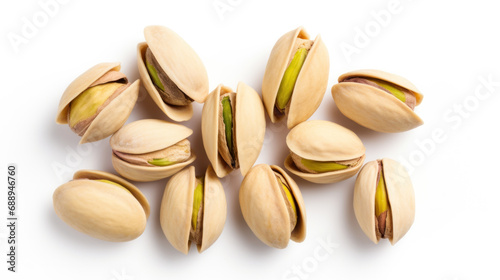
[177, 207]
[146, 136]
[113, 116]
[311, 83]
[102, 210]
[374, 108]
[400, 194]
[324, 141]
[249, 122]
[325, 177]
[215, 210]
[264, 209]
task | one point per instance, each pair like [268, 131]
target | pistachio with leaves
[384, 200]
[102, 205]
[149, 150]
[98, 102]
[193, 210]
[296, 77]
[173, 74]
[324, 152]
[272, 206]
[378, 100]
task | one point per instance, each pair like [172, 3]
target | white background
[444, 47]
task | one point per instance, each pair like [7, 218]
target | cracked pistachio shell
[113, 116]
[324, 141]
[102, 210]
[311, 83]
[399, 192]
[146, 136]
[264, 209]
[374, 108]
[181, 64]
[249, 128]
[177, 207]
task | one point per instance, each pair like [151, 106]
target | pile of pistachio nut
[193, 208]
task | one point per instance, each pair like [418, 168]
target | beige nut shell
[400, 194]
[113, 116]
[320, 140]
[250, 127]
[311, 83]
[177, 207]
[264, 208]
[181, 64]
[374, 108]
[146, 136]
[102, 210]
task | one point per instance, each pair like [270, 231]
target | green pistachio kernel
[227, 115]
[198, 198]
[381, 200]
[290, 198]
[154, 76]
[391, 88]
[290, 78]
[322, 166]
[88, 102]
[161, 162]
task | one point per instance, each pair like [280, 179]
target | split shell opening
[378, 100]
[399, 195]
[172, 73]
[296, 77]
[324, 152]
[233, 126]
[149, 150]
[180, 224]
[98, 102]
[272, 206]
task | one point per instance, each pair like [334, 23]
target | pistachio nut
[98, 102]
[172, 72]
[324, 152]
[384, 200]
[272, 206]
[296, 77]
[102, 205]
[233, 125]
[193, 209]
[378, 100]
[150, 150]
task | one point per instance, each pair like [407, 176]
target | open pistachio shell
[177, 208]
[112, 116]
[102, 210]
[400, 195]
[324, 141]
[182, 65]
[373, 107]
[264, 207]
[145, 136]
[249, 128]
[311, 82]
